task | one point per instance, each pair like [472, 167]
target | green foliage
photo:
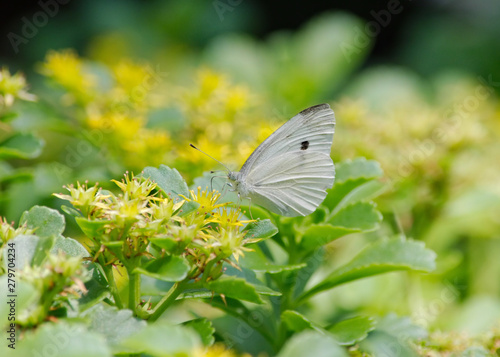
[138, 266]
[142, 233]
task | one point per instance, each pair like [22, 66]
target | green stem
[166, 301]
[108, 271]
[134, 290]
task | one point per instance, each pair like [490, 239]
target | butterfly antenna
[213, 158]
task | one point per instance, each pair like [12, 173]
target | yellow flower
[11, 87]
[237, 99]
[66, 69]
[8, 232]
[88, 200]
[216, 350]
[133, 187]
[206, 199]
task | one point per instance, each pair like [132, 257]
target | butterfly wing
[311, 130]
[291, 184]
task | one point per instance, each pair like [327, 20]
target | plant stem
[134, 290]
[108, 271]
[166, 301]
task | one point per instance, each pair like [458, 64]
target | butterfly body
[290, 171]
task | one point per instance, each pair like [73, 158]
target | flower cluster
[55, 281]
[141, 222]
[118, 110]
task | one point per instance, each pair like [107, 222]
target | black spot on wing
[304, 145]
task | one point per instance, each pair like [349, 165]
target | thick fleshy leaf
[168, 268]
[91, 228]
[356, 169]
[26, 296]
[312, 343]
[60, 339]
[236, 288]
[172, 184]
[317, 235]
[30, 250]
[204, 328]
[162, 339]
[356, 218]
[69, 246]
[297, 322]
[46, 221]
[401, 327]
[351, 331]
[25, 247]
[21, 146]
[380, 343]
[354, 182]
[257, 261]
[115, 325]
[261, 229]
[378, 258]
[392, 336]
[362, 216]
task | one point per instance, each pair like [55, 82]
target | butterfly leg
[250, 207]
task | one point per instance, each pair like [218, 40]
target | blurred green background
[414, 85]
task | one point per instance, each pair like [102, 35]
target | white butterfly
[290, 171]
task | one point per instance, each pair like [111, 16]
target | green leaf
[168, 268]
[236, 288]
[351, 331]
[356, 218]
[297, 322]
[30, 250]
[204, 328]
[356, 169]
[115, 325]
[162, 339]
[91, 228]
[317, 235]
[261, 229]
[383, 344]
[392, 336]
[61, 339]
[362, 216]
[25, 248]
[47, 221]
[26, 300]
[354, 182]
[97, 288]
[380, 257]
[401, 327]
[264, 290]
[172, 184]
[167, 243]
[311, 343]
[69, 246]
[257, 261]
[21, 146]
